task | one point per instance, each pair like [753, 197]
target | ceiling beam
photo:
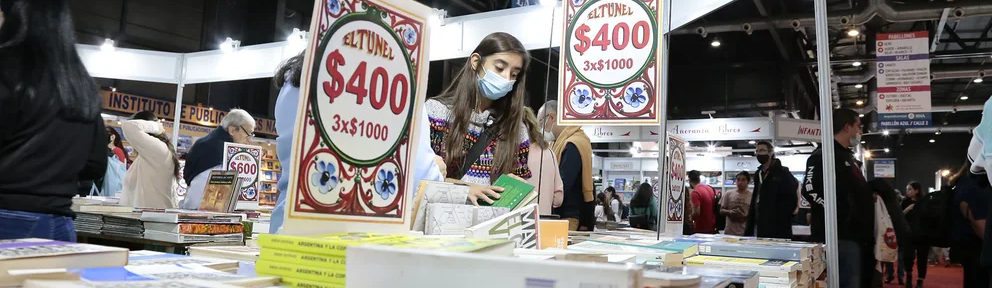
[775, 36]
[955, 37]
[985, 34]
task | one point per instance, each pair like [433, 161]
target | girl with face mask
[485, 104]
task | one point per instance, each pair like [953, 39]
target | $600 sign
[611, 64]
[245, 159]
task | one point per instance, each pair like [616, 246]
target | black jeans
[968, 252]
[919, 253]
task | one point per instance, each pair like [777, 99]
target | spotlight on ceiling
[859, 102]
[108, 45]
[229, 45]
[861, 115]
[964, 97]
[936, 133]
[931, 140]
[885, 132]
[752, 142]
[715, 43]
[859, 86]
[856, 64]
[886, 150]
[853, 32]
[978, 80]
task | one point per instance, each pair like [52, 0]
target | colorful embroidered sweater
[439, 115]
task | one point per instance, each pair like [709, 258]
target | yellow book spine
[302, 244]
[300, 283]
[305, 259]
[265, 267]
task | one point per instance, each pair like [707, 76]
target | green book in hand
[514, 191]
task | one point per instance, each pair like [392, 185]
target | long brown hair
[462, 98]
[150, 116]
[607, 210]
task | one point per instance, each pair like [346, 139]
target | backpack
[936, 216]
[113, 179]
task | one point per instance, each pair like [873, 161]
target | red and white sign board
[610, 62]
[675, 193]
[798, 129]
[364, 83]
[716, 129]
[247, 161]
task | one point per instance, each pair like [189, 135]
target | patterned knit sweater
[439, 115]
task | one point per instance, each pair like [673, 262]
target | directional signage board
[903, 74]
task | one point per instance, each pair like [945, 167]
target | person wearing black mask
[774, 198]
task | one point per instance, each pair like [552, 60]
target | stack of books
[178, 226]
[88, 222]
[738, 278]
[146, 257]
[123, 225]
[319, 261]
[236, 253]
[34, 253]
[772, 273]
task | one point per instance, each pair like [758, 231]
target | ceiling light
[211, 108]
[229, 45]
[861, 115]
[711, 148]
[964, 97]
[859, 85]
[867, 154]
[931, 140]
[633, 150]
[945, 172]
[297, 40]
[978, 80]
[860, 102]
[715, 43]
[863, 142]
[885, 132]
[114, 89]
[752, 142]
[853, 32]
[108, 45]
[856, 64]
[936, 133]
[886, 150]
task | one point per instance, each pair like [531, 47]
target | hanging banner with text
[127, 103]
[353, 147]
[246, 160]
[903, 74]
[609, 63]
[675, 194]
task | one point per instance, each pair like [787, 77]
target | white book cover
[435, 192]
[644, 255]
[520, 226]
[453, 219]
[241, 253]
[440, 269]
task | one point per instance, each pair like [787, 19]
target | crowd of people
[478, 129]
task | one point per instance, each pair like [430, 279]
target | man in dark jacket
[855, 205]
[208, 152]
[774, 199]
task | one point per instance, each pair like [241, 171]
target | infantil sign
[610, 64]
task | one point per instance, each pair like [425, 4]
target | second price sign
[610, 54]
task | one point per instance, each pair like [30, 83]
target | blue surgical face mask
[494, 86]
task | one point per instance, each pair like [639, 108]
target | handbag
[886, 246]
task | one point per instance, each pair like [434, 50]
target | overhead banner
[797, 129]
[675, 193]
[365, 81]
[903, 74]
[719, 129]
[247, 161]
[127, 103]
[885, 168]
[610, 64]
[600, 134]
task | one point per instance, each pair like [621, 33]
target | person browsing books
[427, 166]
[573, 147]
[51, 132]
[541, 161]
[148, 184]
[477, 123]
[207, 154]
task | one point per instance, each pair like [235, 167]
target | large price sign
[246, 160]
[365, 80]
[609, 63]
[675, 194]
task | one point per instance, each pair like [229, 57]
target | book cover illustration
[352, 149]
[196, 228]
[435, 192]
[246, 160]
[519, 225]
[217, 194]
[448, 219]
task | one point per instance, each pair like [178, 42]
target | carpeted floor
[938, 277]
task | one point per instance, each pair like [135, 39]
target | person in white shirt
[615, 203]
[148, 183]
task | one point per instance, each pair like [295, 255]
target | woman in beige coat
[544, 167]
[148, 183]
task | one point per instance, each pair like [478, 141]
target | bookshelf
[271, 171]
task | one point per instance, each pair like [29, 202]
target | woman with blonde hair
[542, 162]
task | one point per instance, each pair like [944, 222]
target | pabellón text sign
[609, 63]
[364, 79]
[903, 74]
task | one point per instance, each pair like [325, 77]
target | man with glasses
[207, 153]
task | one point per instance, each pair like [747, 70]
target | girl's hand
[476, 192]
